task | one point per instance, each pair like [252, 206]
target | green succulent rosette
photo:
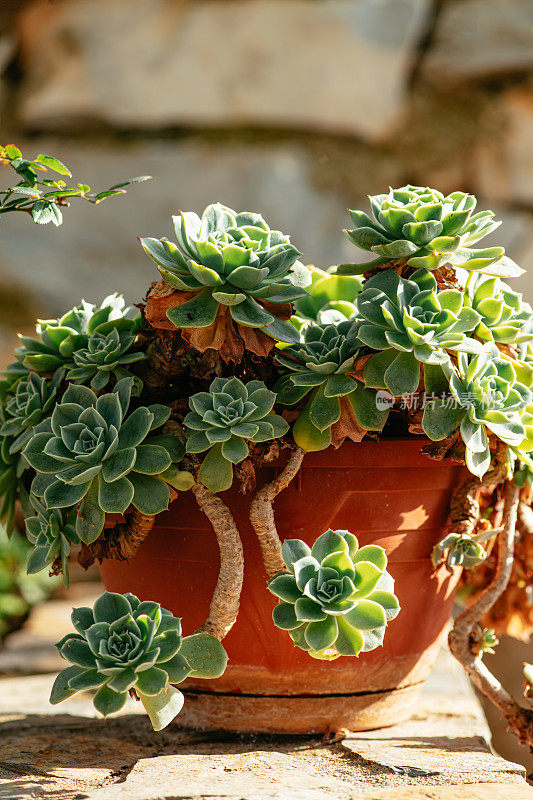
[426, 229]
[489, 394]
[102, 356]
[330, 299]
[504, 316]
[93, 452]
[52, 532]
[484, 640]
[321, 366]
[462, 549]
[224, 420]
[124, 645]
[32, 400]
[411, 322]
[336, 598]
[230, 259]
[60, 338]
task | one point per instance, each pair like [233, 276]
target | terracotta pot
[387, 493]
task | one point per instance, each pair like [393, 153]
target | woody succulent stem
[225, 602]
[262, 514]
[123, 541]
[464, 506]
[520, 720]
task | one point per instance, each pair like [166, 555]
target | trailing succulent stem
[463, 634]
[225, 602]
[262, 514]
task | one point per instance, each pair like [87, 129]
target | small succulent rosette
[336, 599]
[230, 260]
[122, 646]
[463, 549]
[427, 229]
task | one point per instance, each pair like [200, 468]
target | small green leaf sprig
[94, 453]
[483, 640]
[234, 260]
[426, 229]
[321, 366]
[336, 598]
[43, 198]
[223, 421]
[124, 645]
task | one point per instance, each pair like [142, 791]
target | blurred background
[295, 108]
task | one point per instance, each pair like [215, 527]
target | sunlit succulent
[423, 228]
[33, 399]
[104, 355]
[59, 338]
[483, 640]
[336, 598]
[52, 532]
[223, 421]
[330, 299]
[321, 366]
[234, 260]
[463, 549]
[92, 452]
[124, 645]
[505, 317]
[410, 321]
[487, 395]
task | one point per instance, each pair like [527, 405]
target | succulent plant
[411, 322]
[330, 299]
[234, 260]
[223, 420]
[484, 640]
[487, 394]
[336, 598]
[505, 317]
[92, 452]
[463, 549]
[321, 365]
[103, 355]
[423, 228]
[32, 400]
[13, 467]
[59, 338]
[124, 645]
[52, 532]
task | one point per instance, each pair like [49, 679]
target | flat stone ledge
[440, 754]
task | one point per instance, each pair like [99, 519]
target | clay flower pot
[386, 493]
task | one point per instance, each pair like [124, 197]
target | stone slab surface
[68, 752]
[215, 63]
[477, 39]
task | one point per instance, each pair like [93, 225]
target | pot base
[210, 711]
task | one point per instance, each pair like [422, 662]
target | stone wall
[297, 108]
